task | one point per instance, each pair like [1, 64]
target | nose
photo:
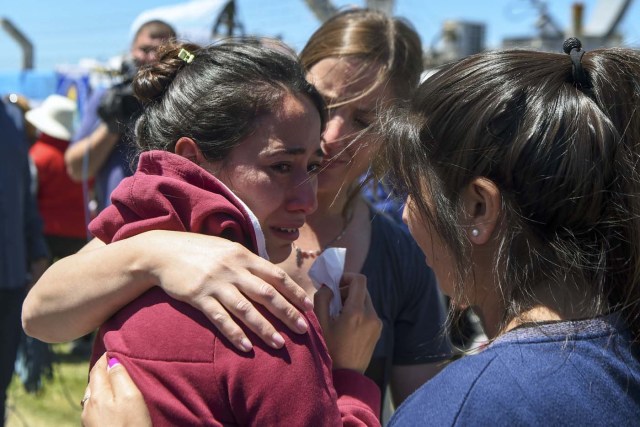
[336, 134]
[303, 196]
[149, 57]
[405, 211]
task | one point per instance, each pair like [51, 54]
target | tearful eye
[314, 168]
[281, 167]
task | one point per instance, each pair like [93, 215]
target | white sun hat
[54, 116]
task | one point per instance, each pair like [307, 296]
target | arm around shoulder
[78, 293]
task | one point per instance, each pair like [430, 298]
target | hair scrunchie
[573, 47]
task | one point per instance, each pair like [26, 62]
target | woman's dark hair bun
[152, 80]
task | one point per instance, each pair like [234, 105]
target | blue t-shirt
[568, 373]
[118, 164]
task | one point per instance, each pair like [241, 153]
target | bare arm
[78, 293]
[99, 143]
[405, 379]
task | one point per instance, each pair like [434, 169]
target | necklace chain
[302, 254]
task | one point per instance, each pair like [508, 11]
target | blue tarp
[37, 85]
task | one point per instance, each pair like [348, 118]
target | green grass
[58, 402]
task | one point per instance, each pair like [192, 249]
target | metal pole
[322, 9]
[384, 6]
[23, 42]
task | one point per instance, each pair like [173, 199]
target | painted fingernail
[113, 362]
[302, 325]
[277, 340]
[246, 345]
[308, 304]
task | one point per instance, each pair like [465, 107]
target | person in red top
[60, 200]
[230, 139]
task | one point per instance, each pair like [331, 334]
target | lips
[289, 230]
[286, 233]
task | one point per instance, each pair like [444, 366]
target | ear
[482, 202]
[187, 148]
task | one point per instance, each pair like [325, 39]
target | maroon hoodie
[187, 371]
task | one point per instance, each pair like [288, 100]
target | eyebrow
[295, 151]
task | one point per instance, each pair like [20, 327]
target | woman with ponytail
[521, 170]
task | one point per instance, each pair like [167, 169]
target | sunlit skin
[481, 199]
[480, 294]
[437, 255]
[274, 169]
[347, 154]
[345, 161]
[480, 290]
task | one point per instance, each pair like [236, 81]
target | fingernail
[112, 362]
[277, 340]
[308, 304]
[246, 345]
[302, 325]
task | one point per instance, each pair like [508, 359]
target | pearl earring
[475, 232]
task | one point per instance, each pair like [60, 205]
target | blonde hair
[376, 39]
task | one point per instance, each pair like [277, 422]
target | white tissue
[327, 270]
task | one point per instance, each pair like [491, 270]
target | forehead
[340, 79]
[294, 127]
[144, 39]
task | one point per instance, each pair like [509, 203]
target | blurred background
[73, 47]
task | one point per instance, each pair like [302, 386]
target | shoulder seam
[471, 387]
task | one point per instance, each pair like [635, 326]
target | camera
[119, 107]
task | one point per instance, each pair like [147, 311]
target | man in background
[102, 146]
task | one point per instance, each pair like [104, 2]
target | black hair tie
[573, 47]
